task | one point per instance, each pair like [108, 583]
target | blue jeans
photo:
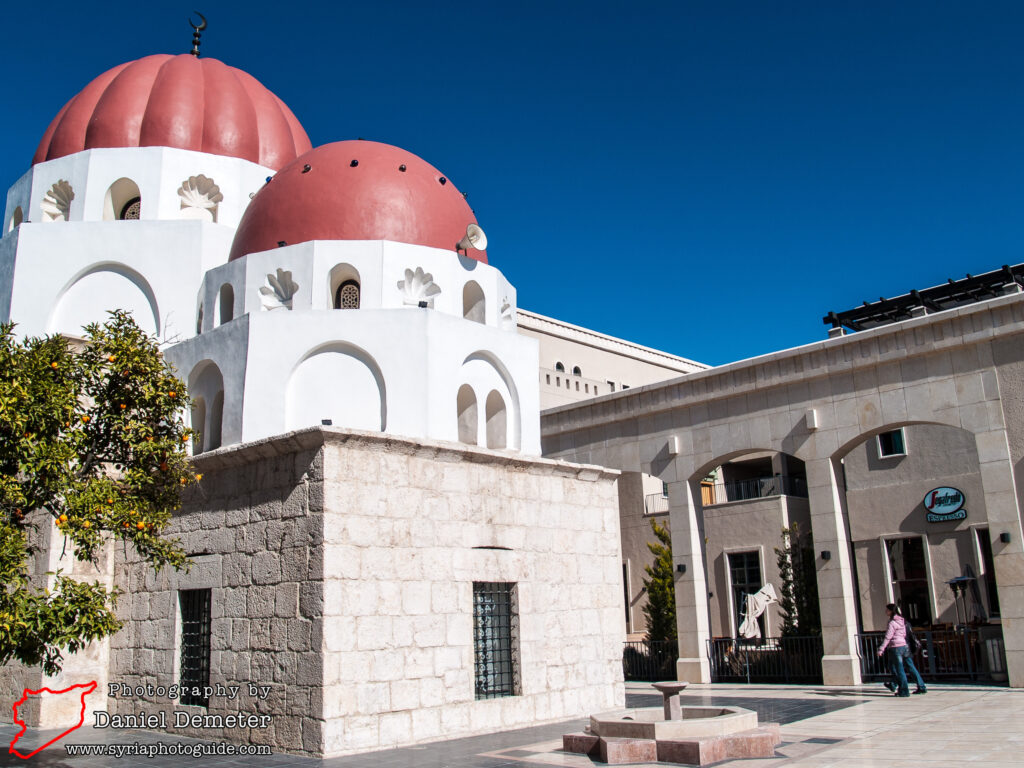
[898, 659]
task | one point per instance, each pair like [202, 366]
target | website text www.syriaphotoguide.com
[161, 749]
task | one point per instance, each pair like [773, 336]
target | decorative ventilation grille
[195, 644]
[495, 627]
[131, 210]
[348, 296]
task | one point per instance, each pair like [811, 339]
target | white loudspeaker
[475, 238]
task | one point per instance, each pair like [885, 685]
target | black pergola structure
[950, 295]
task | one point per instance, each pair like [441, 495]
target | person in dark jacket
[899, 653]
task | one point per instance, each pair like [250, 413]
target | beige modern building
[898, 446]
[577, 363]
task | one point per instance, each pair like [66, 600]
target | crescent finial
[200, 27]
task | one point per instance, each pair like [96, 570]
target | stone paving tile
[822, 728]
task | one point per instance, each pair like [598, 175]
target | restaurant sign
[945, 504]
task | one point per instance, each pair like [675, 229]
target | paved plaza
[822, 727]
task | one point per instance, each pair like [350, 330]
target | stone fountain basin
[650, 723]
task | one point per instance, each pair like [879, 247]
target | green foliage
[660, 610]
[798, 601]
[95, 440]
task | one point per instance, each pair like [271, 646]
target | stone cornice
[552, 327]
[943, 331]
[314, 438]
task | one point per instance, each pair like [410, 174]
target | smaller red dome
[356, 190]
[177, 101]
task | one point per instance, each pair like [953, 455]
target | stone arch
[497, 433]
[122, 201]
[490, 373]
[206, 386]
[474, 305]
[340, 382]
[16, 218]
[93, 292]
[466, 412]
[344, 287]
[225, 311]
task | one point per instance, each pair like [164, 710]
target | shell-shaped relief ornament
[57, 202]
[199, 192]
[279, 290]
[418, 286]
[507, 313]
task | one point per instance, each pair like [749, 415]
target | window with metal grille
[195, 644]
[347, 295]
[495, 639]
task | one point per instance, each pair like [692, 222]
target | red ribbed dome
[177, 101]
[356, 190]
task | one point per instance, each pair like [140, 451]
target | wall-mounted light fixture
[826, 554]
[673, 445]
[1005, 537]
[681, 568]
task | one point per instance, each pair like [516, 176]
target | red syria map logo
[85, 688]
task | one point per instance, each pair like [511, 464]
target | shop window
[195, 645]
[892, 444]
[909, 573]
[988, 572]
[495, 639]
[347, 295]
[559, 367]
[745, 578]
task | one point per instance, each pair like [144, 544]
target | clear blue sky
[704, 178]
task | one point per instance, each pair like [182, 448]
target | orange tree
[94, 439]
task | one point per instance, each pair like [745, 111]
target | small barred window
[347, 296]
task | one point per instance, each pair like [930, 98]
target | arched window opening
[347, 295]
[123, 201]
[227, 303]
[56, 203]
[474, 305]
[198, 423]
[559, 367]
[16, 218]
[576, 371]
[496, 428]
[216, 418]
[466, 406]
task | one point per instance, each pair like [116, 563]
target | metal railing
[650, 661]
[766, 660]
[655, 503]
[950, 654]
[763, 487]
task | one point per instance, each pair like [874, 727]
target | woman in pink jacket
[899, 653]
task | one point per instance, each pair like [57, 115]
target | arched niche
[474, 305]
[206, 387]
[16, 218]
[90, 295]
[123, 201]
[340, 382]
[497, 432]
[486, 373]
[467, 415]
[198, 423]
[225, 304]
[345, 287]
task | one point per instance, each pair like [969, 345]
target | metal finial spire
[197, 28]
